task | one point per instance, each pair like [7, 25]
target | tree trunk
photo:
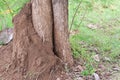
[61, 42]
[40, 44]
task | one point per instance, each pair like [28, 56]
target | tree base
[30, 57]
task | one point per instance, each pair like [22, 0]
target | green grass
[8, 9]
[105, 39]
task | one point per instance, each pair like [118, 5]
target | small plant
[1, 43]
[88, 71]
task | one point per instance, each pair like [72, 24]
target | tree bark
[61, 39]
[31, 55]
[41, 45]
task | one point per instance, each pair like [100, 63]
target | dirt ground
[5, 59]
[73, 73]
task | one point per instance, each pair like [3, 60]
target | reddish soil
[5, 59]
[69, 74]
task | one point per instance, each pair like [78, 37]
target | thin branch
[77, 8]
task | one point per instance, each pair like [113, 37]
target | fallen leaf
[58, 79]
[92, 26]
[96, 58]
[96, 76]
[107, 59]
[79, 67]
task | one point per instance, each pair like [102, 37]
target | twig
[77, 8]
